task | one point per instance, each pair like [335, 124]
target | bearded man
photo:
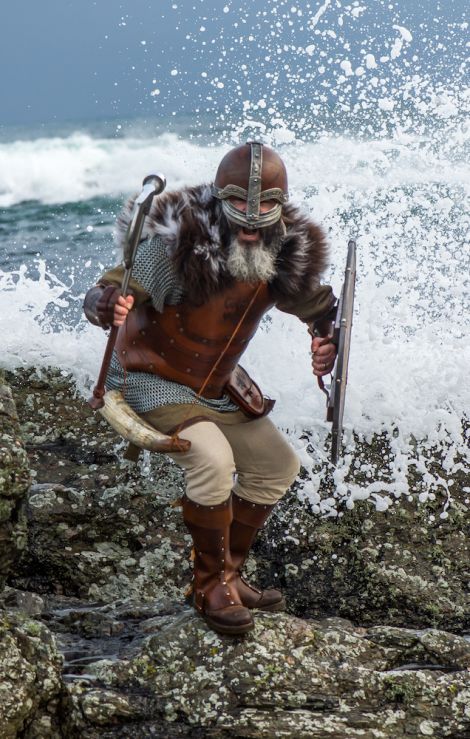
[212, 261]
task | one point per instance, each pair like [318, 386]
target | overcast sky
[81, 59]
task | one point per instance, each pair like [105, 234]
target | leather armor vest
[184, 342]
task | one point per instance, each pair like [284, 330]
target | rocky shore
[96, 639]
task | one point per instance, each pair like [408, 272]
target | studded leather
[248, 518]
[184, 343]
[215, 592]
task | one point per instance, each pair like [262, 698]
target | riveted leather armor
[184, 342]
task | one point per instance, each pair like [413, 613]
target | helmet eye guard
[244, 217]
[252, 217]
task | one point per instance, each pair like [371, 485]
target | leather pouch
[247, 394]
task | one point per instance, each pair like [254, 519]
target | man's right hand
[112, 308]
[104, 306]
[121, 309]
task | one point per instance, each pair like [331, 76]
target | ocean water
[384, 163]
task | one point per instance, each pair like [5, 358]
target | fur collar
[193, 227]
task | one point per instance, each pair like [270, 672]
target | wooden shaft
[97, 399]
[152, 185]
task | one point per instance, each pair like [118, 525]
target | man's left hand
[323, 355]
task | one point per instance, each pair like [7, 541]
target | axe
[336, 393]
[152, 185]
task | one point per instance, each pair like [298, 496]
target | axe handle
[151, 186]
[97, 399]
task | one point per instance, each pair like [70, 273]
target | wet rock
[14, 484]
[290, 677]
[30, 679]
[124, 542]
[104, 529]
[106, 566]
[370, 566]
[87, 631]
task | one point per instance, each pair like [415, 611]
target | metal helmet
[254, 173]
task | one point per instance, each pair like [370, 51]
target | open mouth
[250, 234]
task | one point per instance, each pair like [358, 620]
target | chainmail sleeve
[155, 272]
[153, 275]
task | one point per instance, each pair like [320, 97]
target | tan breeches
[252, 459]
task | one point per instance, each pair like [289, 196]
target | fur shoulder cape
[191, 224]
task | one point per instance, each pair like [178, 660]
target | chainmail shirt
[144, 391]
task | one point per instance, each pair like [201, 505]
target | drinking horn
[141, 434]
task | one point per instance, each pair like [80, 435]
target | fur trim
[196, 234]
[303, 257]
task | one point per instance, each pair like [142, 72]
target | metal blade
[342, 336]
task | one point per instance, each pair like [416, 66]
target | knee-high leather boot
[215, 591]
[248, 518]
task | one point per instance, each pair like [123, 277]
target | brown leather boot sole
[226, 628]
[216, 625]
[235, 619]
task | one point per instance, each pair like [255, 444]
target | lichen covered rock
[365, 650]
[397, 567]
[104, 529]
[30, 679]
[121, 542]
[289, 678]
[14, 484]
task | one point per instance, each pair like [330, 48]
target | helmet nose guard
[255, 174]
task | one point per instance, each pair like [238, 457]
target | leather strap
[209, 517]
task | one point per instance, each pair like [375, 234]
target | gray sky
[80, 59]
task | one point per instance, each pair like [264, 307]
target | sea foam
[79, 166]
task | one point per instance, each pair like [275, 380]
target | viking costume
[178, 352]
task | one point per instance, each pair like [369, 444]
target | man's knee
[210, 480]
[285, 466]
[267, 486]
[292, 467]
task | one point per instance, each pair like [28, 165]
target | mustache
[271, 235]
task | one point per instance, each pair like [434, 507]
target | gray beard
[251, 263]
